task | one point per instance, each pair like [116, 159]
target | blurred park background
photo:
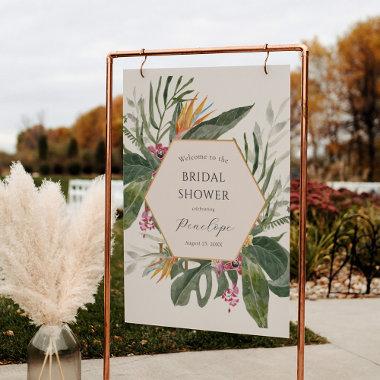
[53, 112]
[57, 125]
[344, 131]
[52, 119]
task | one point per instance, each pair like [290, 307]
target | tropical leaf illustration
[269, 254]
[134, 195]
[222, 284]
[135, 167]
[232, 274]
[259, 154]
[189, 281]
[171, 111]
[280, 286]
[270, 113]
[279, 222]
[130, 136]
[255, 292]
[214, 128]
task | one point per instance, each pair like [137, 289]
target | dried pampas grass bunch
[51, 257]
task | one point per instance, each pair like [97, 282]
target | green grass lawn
[62, 179]
[127, 339]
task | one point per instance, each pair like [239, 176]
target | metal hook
[142, 64]
[266, 59]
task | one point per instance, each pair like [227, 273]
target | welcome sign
[206, 192]
[195, 216]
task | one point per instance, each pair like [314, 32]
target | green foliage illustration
[174, 111]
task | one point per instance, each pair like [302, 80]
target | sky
[52, 53]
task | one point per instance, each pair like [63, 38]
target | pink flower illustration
[158, 150]
[146, 222]
[234, 265]
[231, 296]
[218, 266]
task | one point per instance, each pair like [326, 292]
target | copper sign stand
[303, 178]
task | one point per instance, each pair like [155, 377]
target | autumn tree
[5, 161]
[344, 105]
[28, 138]
[90, 127]
[58, 139]
[358, 56]
[43, 147]
[320, 62]
[27, 144]
[100, 156]
[72, 148]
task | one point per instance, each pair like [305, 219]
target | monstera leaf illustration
[189, 281]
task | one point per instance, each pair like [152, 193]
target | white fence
[78, 187]
[358, 187]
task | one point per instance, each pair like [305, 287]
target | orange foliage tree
[344, 105]
[90, 127]
[358, 57]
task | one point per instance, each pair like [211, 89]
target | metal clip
[142, 64]
[266, 59]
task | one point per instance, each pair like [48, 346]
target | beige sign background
[211, 199]
[154, 276]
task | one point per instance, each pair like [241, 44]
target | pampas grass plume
[51, 257]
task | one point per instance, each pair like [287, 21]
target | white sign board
[206, 198]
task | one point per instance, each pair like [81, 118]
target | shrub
[88, 168]
[116, 169]
[319, 196]
[327, 208]
[357, 245]
[58, 168]
[44, 169]
[327, 201]
[318, 245]
[100, 155]
[74, 168]
[100, 169]
[28, 168]
[72, 148]
[344, 198]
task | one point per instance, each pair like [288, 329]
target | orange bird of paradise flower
[162, 266]
[189, 118]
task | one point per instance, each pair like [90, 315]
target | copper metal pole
[210, 50]
[302, 224]
[303, 173]
[107, 248]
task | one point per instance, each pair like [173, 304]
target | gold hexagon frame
[250, 174]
